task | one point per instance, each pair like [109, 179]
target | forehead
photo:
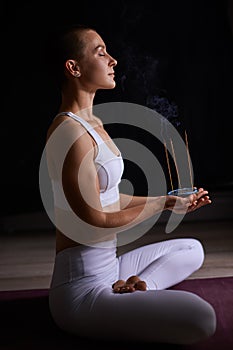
[92, 39]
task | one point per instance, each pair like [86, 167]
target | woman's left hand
[182, 205]
[199, 199]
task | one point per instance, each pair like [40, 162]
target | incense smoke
[140, 82]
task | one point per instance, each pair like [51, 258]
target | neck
[80, 103]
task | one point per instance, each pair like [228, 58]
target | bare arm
[171, 202]
[80, 183]
[128, 201]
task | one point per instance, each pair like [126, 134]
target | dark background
[177, 54]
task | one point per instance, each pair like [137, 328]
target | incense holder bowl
[183, 192]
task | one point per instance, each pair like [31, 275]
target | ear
[73, 68]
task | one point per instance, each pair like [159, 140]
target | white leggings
[82, 301]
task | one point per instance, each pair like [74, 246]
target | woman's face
[96, 65]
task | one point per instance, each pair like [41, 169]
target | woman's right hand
[183, 205]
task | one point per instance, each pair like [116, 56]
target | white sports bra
[108, 165]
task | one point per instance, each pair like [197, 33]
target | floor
[27, 256]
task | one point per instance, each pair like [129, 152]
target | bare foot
[133, 283]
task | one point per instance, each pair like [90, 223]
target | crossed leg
[158, 265]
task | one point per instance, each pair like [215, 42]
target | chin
[113, 85]
[108, 87]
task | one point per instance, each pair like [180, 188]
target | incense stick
[174, 157]
[189, 161]
[168, 164]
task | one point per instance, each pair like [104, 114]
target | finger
[201, 192]
[202, 202]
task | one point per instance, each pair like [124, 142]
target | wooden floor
[27, 257]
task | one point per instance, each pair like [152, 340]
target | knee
[199, 253]
[203, 324]
[208, 324]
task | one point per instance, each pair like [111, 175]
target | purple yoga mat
[22, 294]
[25, 314]
[219, 293]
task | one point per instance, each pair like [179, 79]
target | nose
[113, 61]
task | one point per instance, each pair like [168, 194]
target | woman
[94, 292]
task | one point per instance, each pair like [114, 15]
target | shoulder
[98, 121]
[66, 132]
[74, 125]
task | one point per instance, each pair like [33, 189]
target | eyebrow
[100, 46]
